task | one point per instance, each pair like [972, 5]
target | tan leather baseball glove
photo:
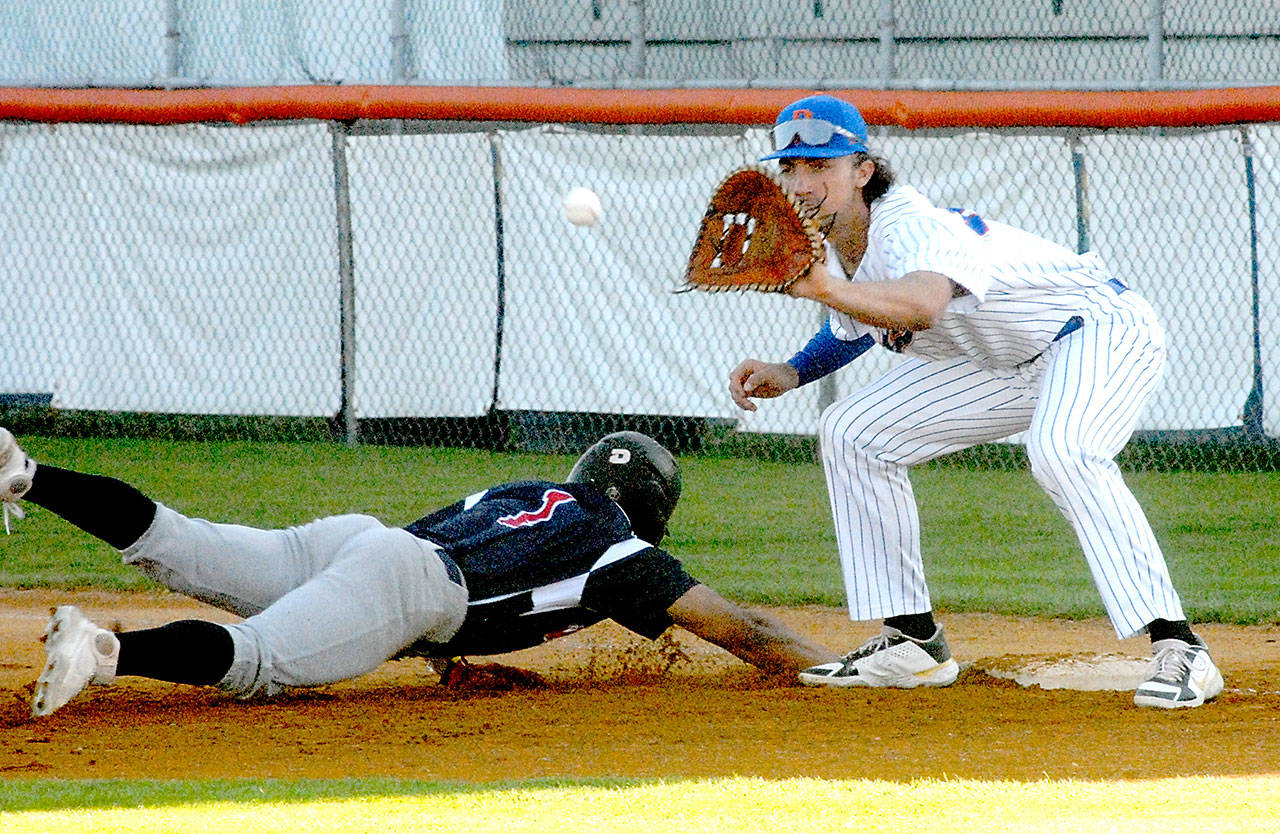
[753, 237]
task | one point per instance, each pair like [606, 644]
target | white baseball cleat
[891, 659]
[1184, 676]
[77, 653]
[16, 470]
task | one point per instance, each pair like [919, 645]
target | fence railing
[926, 44]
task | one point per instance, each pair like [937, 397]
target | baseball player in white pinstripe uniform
[1004, 332]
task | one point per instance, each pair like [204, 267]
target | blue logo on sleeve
[972, 219]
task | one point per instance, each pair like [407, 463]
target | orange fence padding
[905, 108]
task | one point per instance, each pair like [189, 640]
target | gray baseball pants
[323, 601]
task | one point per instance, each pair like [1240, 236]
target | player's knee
[1055, 461]
[265, 662]
[841, 432]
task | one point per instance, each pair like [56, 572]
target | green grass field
[758, 531]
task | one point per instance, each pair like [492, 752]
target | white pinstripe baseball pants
[1079, 402]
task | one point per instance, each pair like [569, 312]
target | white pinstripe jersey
[1021, 288]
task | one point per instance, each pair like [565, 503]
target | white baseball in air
[582, 206]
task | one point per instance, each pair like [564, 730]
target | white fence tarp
[1170, 215]
[196, 269]
[1267, 171]
[182, 269]
[425, 275]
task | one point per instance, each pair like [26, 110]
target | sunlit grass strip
[1219, 804]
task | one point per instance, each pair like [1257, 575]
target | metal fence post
[827, 384]
[888, 43]
[339, 131]
[401, 64]
[1080, 173]
[172, 41]
[635, 54]
[500, 314]
[1155, 40]
[1253, 413]
[399, 41]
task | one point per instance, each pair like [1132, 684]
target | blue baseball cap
[818, 126]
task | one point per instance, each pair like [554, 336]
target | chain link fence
[418, 282]
[933, 44]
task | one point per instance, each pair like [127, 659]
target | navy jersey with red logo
[543, 559]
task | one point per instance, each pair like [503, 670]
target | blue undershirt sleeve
[826, 354]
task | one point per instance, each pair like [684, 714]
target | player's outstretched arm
[755, 637]
[912, 302]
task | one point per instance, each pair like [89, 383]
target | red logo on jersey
[551, 499]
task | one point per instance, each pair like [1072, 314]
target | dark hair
[881, 179]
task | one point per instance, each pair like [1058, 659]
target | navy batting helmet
[639, 474]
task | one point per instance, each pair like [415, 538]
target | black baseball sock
[103, 507]
[917, 626]
[187, 651]
[1170, 629]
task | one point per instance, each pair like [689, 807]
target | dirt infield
[611, 705]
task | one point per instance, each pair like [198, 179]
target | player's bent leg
[106, 508]
[1124, 557]
[236, 568]
[869, 440]
[386, 589]
[1094, 385]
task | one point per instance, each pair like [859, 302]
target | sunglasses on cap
[811, 132]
